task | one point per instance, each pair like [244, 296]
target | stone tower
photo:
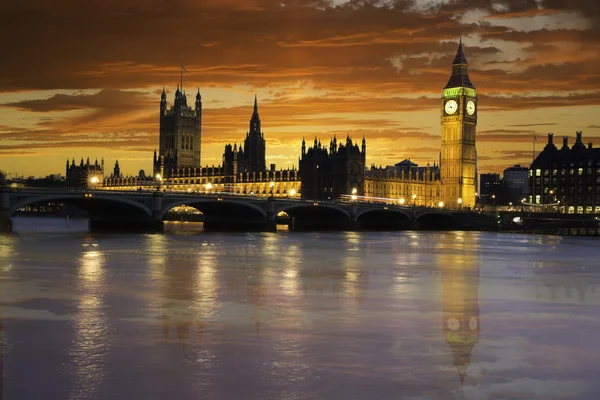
[180, 132]
[458, 167]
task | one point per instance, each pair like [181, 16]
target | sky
[83, 79]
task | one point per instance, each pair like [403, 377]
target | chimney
[589, 145]
[578, 137]
[565, 142]
[550, 138]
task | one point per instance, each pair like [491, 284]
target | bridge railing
[217, 195]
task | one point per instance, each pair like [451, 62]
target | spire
[255, 106]
[198, 96]
[163, 96]
[460, 54]
[460, 70]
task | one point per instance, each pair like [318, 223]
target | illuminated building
[458, 161]
[243, 171]
[569, 175]
[324, 173]
[406, 183]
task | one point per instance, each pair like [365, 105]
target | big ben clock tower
[459, 120]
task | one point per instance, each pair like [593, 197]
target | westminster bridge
[146, 210]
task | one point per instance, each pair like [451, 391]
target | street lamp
[93, 181]
[292, 192]
[271, 185]
[460, 202]
[354, 191]
[208, 187]
[441, 204]
[414, 197]
[402, 201]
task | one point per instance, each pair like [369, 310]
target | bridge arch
[384, 219]
[436, 220]
[389, 210]
[310, 216]
[79, 199]
[205, 206]
[289, 208]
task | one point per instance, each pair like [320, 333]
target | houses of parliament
[326, 171]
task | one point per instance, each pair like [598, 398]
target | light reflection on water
[299, 316]
[91, 332]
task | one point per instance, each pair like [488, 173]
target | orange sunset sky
[83, 78]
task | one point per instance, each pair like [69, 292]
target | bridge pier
[5, 221]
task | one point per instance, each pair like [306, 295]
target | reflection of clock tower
[459, 120]
[461, 310]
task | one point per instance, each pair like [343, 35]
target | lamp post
[460, 203]
[292, 192]
[401, 201]
[441, 204]
[271, 186]
[158, 181]
[207, 187]
[414, 197]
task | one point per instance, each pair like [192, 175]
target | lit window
[580, 171]
[538, 172]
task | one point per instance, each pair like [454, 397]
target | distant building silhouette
[81, 174]
[329, 174]
[251, 157]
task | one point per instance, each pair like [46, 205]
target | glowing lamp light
[354, 191]
[292, 192]
[459, 200]
[208, 186]
[353, 197]
[402, 201]
[441, 204]
[94, 180]
[414, 196]
[158, 177]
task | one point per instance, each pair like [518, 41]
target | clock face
[473, 323]
[470, 107]
[453, 324]
[451, 107]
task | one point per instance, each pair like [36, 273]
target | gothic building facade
[81, 174]
[249, 157]
[331, 174]
[325, 172]
[180, 134]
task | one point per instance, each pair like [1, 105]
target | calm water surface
[286, 316]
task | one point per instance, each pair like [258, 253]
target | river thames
[194, 315]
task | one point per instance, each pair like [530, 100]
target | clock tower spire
[459, 122]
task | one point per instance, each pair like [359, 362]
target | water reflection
[557, 282]
[460, 316]
[91, 332]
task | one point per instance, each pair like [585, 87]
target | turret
[303, 147]
[550, 145]
[198, 99]
[579, 142]
[364, 148]
[163, 102]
